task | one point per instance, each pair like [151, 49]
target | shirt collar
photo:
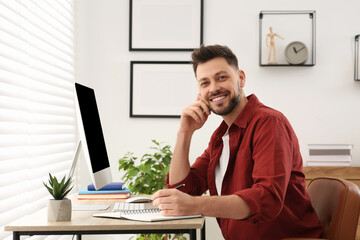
[242, 119]
[250, 107]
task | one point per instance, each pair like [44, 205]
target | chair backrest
[337, 203]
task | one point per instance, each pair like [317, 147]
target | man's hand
[194, 116]
[173, 202]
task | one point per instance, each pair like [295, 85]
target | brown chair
[337, 203]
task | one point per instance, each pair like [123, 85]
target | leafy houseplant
[59, 208]
[148, 176]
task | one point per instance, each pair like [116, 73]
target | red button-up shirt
[265, 169]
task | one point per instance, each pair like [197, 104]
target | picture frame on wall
[165, 25]
[356, 59]
[161, 89]
[287, 38]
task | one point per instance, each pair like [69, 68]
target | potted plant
[147, 177]
[59, 208]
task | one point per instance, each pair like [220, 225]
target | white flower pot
[59, 210]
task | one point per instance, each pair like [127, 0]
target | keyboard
[124, 206]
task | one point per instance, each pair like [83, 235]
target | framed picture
[287, 38]
[161, 89]
[357, 60]
[165, 25]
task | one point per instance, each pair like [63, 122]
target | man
[252, 166]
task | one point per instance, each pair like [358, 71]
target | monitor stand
[75, 160]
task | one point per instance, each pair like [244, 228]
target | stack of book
[329, 154]
[115, 190]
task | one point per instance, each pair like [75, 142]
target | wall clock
[296, 53]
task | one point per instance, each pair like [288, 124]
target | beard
[232, 104]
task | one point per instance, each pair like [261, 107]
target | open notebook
[145, 215]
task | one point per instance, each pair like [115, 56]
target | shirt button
[255, 221]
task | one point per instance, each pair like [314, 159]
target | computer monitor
[91, 137]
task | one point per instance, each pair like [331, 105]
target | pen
[180, 186]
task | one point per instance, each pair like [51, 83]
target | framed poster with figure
[287, 38]
[165, 25]
[161, 89]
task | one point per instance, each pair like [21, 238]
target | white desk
[83, 223]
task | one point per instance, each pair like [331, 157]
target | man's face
[219, 85]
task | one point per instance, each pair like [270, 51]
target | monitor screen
[91, 135]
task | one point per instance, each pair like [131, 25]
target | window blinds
[37, 117]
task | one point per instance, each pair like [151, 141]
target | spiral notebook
[144, 215]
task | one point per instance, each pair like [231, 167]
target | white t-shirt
[223, 163]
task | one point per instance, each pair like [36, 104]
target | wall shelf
[287, 38]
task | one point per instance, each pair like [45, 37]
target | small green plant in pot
[146, 176]
[59, 208]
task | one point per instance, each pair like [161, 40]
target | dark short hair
[207, 53]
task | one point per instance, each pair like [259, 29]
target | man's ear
[242, 78]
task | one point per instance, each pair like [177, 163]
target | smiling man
[252, 166]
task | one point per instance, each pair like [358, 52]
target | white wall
[321, 102]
